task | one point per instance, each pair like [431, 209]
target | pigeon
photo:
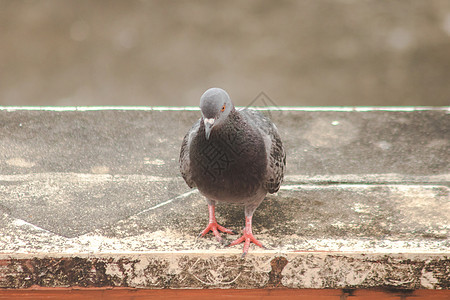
[233, 156]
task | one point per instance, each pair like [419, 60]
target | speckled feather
[277, 156]
[185, 162]
[241, 157]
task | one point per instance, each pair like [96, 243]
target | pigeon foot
[215, 228]
[247, 237]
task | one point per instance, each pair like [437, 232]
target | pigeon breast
[231, 165]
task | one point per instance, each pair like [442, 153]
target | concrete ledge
[93, 198]
[318, 270]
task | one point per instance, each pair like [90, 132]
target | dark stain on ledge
[55, 272]
[277, 264]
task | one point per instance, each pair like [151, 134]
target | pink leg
[213, 226]
[247, 237]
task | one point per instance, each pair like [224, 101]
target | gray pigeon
[233, 156]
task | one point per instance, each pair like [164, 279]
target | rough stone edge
[314, 270]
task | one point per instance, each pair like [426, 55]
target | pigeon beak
[209, 123]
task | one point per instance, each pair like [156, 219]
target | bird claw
[215, 228]
[247, 238]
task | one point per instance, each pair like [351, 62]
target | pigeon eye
[223, 108]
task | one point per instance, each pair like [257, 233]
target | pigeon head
[215, 105]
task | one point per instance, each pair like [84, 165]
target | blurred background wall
[316, 52]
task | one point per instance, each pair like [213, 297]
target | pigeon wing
[185, 163]
[276, 155]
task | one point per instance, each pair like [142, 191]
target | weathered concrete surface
[216, 270]
[94, 198]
